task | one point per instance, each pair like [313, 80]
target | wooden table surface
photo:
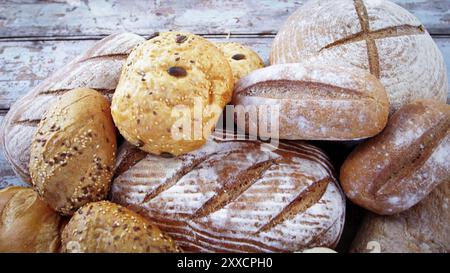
[38, 37]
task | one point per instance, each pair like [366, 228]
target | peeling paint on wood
[89, 17]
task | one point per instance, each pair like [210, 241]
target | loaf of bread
[378, 36]
[73, 151]
[27, 224]
[171, 93]
[98, 68]
[422, 229]
[232, 196]
[395, 170]
[107, 227]
[242, 59]
[316, 102]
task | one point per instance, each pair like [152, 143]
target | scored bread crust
[401, 52]
[231, 196]
[98, 68]
[316, 102]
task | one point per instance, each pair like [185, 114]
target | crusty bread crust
[396, 169]
[230, 196]
[98, 68]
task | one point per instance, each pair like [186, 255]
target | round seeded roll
[242, 59]
[73, 151]
[106, 227]
[27, 224]
[169, 84]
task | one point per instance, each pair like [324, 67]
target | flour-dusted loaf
[396, 169]
[73, 151]
[375, 35]
[316, 102]
[171, 93]
[98, 68]
[423, 228]
[231, 196]
[107, 227]
[27, 224]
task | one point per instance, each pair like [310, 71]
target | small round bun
[73, 151]
[243, 59]
[27, 224]
[171, 93]
[106, 227]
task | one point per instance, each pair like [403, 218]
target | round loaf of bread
[395, 170]
[312, 101]
[106, 227]
[171, 93]
[73, 151]
[243, 59]
[27, 224]
[378, 36]
[235, 196]
[422, 229]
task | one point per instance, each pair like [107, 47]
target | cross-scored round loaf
[231, 196]
[378, 36]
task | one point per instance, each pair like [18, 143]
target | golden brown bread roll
[27, 224]
[171, 76]
[242, 59]
[398, 168]
[73, 151]
[106, 227]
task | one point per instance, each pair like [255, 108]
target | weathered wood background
[38, 37]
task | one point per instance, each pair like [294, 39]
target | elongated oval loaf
[395, 170]
[316, 102]
[231, 196]
[98, 68]
[73, 151]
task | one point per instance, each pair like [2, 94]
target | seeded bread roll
[243, 59]
[98, 68]
[398, 168]
[106, 227]
[170, 83]
[316, 102]
[73, 151]
[27, 224]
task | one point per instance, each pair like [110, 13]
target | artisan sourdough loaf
[27, 224]
[422, 229]
[98, 68]
[396, 169]
[231, 196]
[316, 102]
[107, 227]
[376, 35]
[73, 151]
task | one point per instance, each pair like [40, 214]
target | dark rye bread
[398, 168]
[232, 196]
[98, 68]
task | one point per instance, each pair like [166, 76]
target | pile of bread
[340, 71]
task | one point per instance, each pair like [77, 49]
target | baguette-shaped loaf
[231, 196]
[396, 169]
[423, 228]
[316, 102]
[98, 68]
